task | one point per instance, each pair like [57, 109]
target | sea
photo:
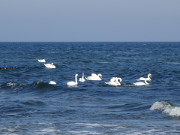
[29, 105]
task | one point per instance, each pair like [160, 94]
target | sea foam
[166, 108]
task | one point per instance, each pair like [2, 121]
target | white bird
[73, 83]
[147, 79]
[115, 81]
[143, 79]
[94, 77]
[82, 78]
[41, 60]
[50, 65]
[52, 82]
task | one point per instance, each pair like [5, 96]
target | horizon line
[83, 41]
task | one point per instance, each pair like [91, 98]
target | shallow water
[29, 105]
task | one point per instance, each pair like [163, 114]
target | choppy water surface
[29, 105]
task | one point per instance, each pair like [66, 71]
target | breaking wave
[166, 108]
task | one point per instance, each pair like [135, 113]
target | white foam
[50, 130]
[149, 132]
[104, 62]
[172, 111]
[159, 105]
[85, 132]
[96, 125]
[174, 63]
[11, 84]
[166, 108]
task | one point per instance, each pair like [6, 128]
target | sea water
[30, 105]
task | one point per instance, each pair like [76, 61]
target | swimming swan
[50, 65]
[41, 60]
[94, 77]
[115, 81]
[73, 83]
[147, 79]
[52, 82]
[143, 79]
[82, 78]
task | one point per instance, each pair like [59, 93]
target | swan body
[115, 81]
[41, 60]
[94, 77]
[52, 82]
[82, 78]
[73, 83]
[50, 65]
[143, 79]
[141, 83]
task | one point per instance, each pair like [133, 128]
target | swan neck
[146, 82]
[76, 79]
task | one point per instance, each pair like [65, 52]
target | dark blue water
[29, 105]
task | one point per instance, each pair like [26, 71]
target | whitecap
[174, 63]
[49, 130]
[85, 132]
[104, 62]
[11, 84]
[166, 108]
[96, 125]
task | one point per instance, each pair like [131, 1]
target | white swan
[82, 78]
[73, 83]
[147, 79]
[50, 65]
[115, 81]
[41, 60]
[143, 79]
[94, 77]
[52, 82]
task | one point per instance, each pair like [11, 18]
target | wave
[20, 86]
[166, 108]
[40, 84]
[173, 63]
[104, 62]
[13, 85]
[97, 125]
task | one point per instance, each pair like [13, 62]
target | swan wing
[139, 84]
[81, 79]
[49, 66]
[52, 82]
[141, 79]
[71, 83]
[112, 83]
[93, 75]
[41, 60]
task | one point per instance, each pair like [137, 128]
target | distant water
[31, 106]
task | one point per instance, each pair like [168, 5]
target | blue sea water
[29, 105]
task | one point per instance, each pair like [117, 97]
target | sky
[89, 20]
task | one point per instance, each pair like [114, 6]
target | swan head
[76, 75]
[120, 79]
[149, 75]
[100, 75]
